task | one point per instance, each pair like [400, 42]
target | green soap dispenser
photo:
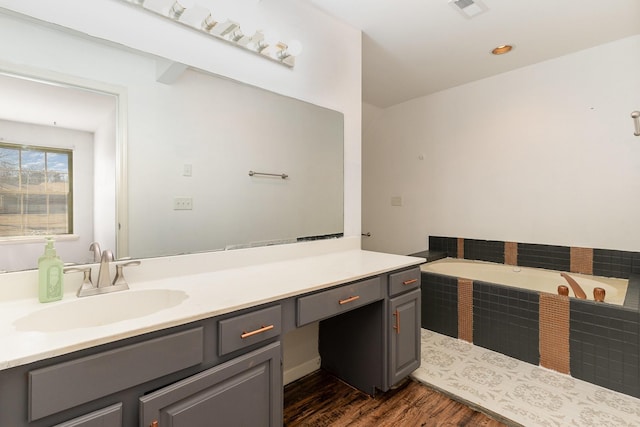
[50, 274]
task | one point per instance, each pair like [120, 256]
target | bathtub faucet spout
[577, 290]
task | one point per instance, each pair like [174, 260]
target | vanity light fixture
[502, 49]
[189, 14]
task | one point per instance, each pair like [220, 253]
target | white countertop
[208, 294]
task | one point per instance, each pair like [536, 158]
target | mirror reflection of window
[35, 191]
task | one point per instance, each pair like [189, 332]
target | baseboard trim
[299, 371]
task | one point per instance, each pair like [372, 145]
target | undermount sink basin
[99, 310]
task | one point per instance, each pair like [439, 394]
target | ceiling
[48, 104]
[413, 48]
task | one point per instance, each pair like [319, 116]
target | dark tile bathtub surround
[430, 255]
[444, 244]
[610, 263]
[440, 304]
[632, 297]
[604, 339]
[605, 346]
[484, 250]
[606, 262]
[544, 256]
[505, 320]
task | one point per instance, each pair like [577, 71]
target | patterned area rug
[517, 392]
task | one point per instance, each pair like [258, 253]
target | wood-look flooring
[320, 399]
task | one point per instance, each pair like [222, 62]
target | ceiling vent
[469, 8]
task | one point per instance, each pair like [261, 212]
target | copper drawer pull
[396, 314]
[154, 424]
[409, 282]
[348, 300]
[256, 332]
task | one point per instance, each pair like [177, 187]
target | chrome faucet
[104, 277]
[104, 283]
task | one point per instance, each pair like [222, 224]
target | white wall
[104, 181]
[543, 154]
[224, 129]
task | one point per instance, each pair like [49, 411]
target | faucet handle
[119, 279]
[87, 284]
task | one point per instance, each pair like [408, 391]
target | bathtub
[535, 279]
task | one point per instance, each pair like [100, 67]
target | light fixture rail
[199, 18]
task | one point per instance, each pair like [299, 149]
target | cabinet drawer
[247, 329]
[329, 303]
[111, 416]
[404, 281]
[65, 385]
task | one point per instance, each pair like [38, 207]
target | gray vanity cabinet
[404, 325]
[81, 380]
[246, 391]
[224, 370]
[373, 346]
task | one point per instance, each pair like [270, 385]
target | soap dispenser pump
[50, 274]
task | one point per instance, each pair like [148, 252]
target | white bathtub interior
[535, 279]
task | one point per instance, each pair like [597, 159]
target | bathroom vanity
[216, 358]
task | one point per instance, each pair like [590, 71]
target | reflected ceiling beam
[168, 72]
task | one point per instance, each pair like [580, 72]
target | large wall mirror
[189, 139]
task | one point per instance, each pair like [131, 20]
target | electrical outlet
[182, 204]
[396, 200]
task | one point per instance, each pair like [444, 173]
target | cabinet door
[246, 391]
[404, 335]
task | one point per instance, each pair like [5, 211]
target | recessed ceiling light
[502, 49]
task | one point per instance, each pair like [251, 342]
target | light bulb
[177, 9]
[257, 41]
[208, 23]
